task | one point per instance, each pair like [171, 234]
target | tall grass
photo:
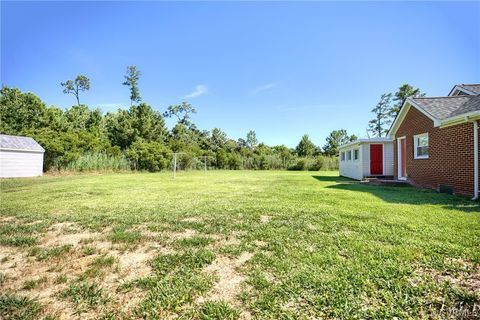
[323, 163]
[98, 162]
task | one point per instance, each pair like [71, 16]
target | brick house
[436, 141]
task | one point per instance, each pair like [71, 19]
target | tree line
[83, 138]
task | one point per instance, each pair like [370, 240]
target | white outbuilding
[20, 157]
[367, 158]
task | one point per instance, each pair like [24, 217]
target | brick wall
[450, 160]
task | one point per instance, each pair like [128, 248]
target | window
[349, 155]
[420, 146]
[356, 153]
[342, 156]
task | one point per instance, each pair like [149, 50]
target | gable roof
[469, 89]
[19, 143]
[443, 111]
[441, 108]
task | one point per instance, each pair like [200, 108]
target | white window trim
[349, 152]
[358, 154]
[415, 145]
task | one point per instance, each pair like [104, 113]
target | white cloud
[265, 87]
[199, 90]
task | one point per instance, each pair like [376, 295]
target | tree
[20, 111]
[131, 80]
[335, 139]
[80, 118]
[81, 83]
[119, 129]
[147, 123]
[305, 147]
[402, 94]
[218, 139]
[182, 112]
[251, 139]
[379, 125]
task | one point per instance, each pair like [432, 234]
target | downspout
[475, 160]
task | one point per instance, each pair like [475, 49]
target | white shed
[367, 158]
[20, 157]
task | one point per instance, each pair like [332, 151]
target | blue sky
[280, 68]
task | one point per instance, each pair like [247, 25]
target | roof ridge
[438, 97]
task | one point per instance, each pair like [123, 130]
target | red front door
[376, 159]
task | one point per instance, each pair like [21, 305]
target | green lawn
[235, 244]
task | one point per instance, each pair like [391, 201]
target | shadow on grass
[406, 195]
[337, 179]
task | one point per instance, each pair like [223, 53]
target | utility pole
[174, 164]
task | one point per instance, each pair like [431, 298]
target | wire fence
[186, 162]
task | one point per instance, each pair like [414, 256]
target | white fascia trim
[474, 115]
[22, 150]
[358, 142]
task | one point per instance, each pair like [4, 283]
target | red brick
[450, 160]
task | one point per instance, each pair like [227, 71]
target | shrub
[152, 156]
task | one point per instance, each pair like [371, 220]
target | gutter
[475, 160]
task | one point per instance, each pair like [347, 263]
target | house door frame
[401, 158]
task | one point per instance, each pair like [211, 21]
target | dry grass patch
[229, 278]
[265, 219]
[187, 233]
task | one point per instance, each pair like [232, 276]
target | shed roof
[19, 143]
[364, 141]
[442, 108]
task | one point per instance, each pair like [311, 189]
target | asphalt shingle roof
[471, 87]
[19, 143]
[446, 107]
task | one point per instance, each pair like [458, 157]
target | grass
[14, 307]
[49, 253]
[32, 284]
[97, 162]
[217, 311]
[320, 246]
[85, 295]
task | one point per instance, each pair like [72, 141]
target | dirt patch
[73, 239]
[260, 243]
[66, 234]
[265, 219]
[10, 258]
[134, 264]
[229, 280]
[7, 219]
[469, 281]
[187, 233]
[192, 219]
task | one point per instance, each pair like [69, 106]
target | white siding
[351, 168]
[366, 160]
[20, 164]
[388, 159]
[358, 169]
